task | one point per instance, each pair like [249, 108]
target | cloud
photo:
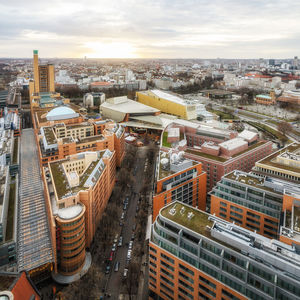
[154, 28]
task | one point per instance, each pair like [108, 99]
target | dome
[61, 113]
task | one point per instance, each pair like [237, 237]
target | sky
[150, 28]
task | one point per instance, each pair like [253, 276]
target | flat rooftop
[250, 180]
[271, 159]
[60, 181]
[34, 243]
[270, 252]
[166, 162]
[179, 212]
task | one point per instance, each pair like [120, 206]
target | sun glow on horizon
[110, 50]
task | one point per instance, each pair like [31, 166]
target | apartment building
[178, 179]
[283, 164]
[194, 255]
[77, 191]
[252, 202]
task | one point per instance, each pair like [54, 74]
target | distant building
[93, 99]
[168, 103]
[195, 255]
[217, 94]
[292, 97]
[272, 62]
[266, 99]
[178, 179]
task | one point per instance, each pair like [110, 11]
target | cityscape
[165, 172]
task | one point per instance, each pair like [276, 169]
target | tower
[36, 71]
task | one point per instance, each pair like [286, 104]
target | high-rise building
[43, 76]
[194, 255]
[178, 179]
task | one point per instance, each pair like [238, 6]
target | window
[186, 277]
[186, 269]
[204, 288]
[167, 258]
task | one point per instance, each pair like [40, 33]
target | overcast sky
[150, 28]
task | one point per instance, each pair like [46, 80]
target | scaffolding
[34, 243]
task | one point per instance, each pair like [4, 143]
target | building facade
[178, 179]
[78, 189]
[168, 103]
[248, 201]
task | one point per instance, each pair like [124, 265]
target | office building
[220, 158]
[91, 100]
[252, 202]
[283, 164]
[194, 255]
[77, 191]
[168, 103]
[178, 179]
[266, 99]
[42, 87]
[63, 138]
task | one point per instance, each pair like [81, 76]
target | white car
[130, 245]
[129, 254]
[125, 273]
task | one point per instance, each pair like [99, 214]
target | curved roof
[61, 113]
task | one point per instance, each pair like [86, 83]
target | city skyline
[156, 29]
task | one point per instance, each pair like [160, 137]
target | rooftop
[179, 213]
[249, 179]
[61, 113]
[34, 242]
[264, 97]
[60, 181]
[271, 159]
[172, 163]
[233, 143]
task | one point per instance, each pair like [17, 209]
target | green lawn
[213, 157]
[15, 154]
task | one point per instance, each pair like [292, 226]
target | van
[123, 215]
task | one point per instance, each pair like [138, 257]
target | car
[123, 215]
[129, 254]
[126, 200]
[132, 236]
[130, 245]
[120, 241]
[111, 256]
[125, 206]
[114, 247]
[137, 208]
[107, 269]
[117, 266]
[116, 238]
[121, 223]
[133, 227]
[125, 273]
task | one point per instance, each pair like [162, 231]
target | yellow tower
[36, 71]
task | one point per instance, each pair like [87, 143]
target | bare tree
[284, 127]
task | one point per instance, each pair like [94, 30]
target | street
[114, 284]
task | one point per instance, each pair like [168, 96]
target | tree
[284, 127]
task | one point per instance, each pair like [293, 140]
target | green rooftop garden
[197, 223]
[11, 212]
[206, 155]
[249, 148]
[15, 154]
[49, 135]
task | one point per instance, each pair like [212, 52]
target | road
[114, 285]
